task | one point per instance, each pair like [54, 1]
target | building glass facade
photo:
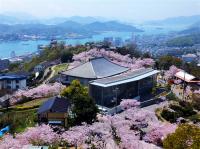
[106, 96]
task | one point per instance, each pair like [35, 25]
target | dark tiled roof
[55, 104]
[96, 68]
[12, 77]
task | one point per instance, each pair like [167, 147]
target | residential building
[54, 111]
[42, 66]
[188, 78]
[12, 82]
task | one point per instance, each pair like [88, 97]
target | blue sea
[26, 47]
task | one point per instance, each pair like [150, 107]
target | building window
[17, 81]
[8, 87]
[9, 81]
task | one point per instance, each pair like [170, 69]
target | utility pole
[184, 81]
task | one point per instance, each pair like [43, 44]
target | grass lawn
[60, 67]
[33, 103]
[21, 116]
[19, 120]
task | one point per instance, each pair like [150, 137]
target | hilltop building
[108, 81]
[96, 68]
[109, 91]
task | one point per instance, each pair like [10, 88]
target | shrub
[196, 101]
[66, 56]
[185, 109]
[19, 120]
[171, 96]
[169, 115]
[185, 137]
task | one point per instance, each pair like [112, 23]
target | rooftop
[185, 76]
[96, 68]
[12, 77]
[54, 104]
[125, 78]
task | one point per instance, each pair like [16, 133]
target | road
[152, 108]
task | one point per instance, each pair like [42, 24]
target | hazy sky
[137, 10]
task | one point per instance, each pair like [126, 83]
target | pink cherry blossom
[158, 132]
[123, 60]
[178, 81]
[44, 90]
[134, 128]
[171, 72]
[129, 103]
[197, 91]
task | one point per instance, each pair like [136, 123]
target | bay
[26, 47]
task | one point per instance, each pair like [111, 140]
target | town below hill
[97, 95]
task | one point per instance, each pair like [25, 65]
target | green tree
[185, 137]
[166, 61]
[146, 55]
[66, 56]
[14, 66]
[130, 49]
[83, 107]
[196, 101]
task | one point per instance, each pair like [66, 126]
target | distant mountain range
[28, 19]
[63, 29]
[193, 29]
[26, 24]
[188, 37]
[184, 21]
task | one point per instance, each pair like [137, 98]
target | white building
[12, 82]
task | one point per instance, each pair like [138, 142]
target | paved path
[51, 75]
[152, 108]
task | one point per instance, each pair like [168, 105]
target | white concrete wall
[1, 85]
[13, 84]
[22, 84]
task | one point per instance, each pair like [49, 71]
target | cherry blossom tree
[178, 81]
[8, 142]
[171, 72]
[134, 128]
[44, 90]
[123, 60]
[40, 135]
[188, 91]
[197, 92]
[129, 103]
[158, 132]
